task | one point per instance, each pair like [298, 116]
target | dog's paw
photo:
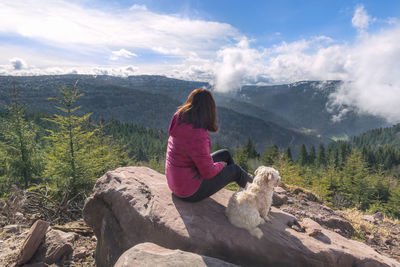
[267, 219]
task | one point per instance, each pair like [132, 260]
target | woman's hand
[224, 163]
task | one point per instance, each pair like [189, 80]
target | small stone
[326, 208]
[369, 218]
[378, 216]
[312, 228]
[94, 238]
[12, 228]
[80, 253]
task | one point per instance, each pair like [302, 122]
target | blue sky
[225, 42]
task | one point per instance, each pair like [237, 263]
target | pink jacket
[188, 159]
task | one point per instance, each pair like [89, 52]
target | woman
[192, 173]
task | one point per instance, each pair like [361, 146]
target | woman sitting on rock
[192, 173]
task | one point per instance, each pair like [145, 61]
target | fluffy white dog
[249, 208]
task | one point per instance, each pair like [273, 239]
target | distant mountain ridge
[268, 114]
[379, 137]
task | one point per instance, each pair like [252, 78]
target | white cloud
[62, 23]
[361, 19]
[205, 50]
[235, 65]
[373, 80]
[122, 53]
[18, 63]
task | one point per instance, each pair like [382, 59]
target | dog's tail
[256, 232]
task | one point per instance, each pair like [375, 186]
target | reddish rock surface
[149, 254]
[32, 241]
[133, 205]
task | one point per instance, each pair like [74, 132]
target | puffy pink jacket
[188, 159]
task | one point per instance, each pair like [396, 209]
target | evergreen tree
[21, 152]
[251, 149]
[394, 202]
[271, 155]
[321, 157]
[289, 154]
[356, 186]
[312, 156]
[302, 159]
[240, 157]
[76, 155]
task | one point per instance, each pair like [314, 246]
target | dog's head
[266, 176]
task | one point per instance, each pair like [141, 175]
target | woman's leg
[222, 155]
[231, 173]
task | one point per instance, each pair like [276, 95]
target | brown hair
[199, 110]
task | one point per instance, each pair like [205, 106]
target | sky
[227, 43]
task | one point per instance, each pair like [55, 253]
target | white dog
[249, 208]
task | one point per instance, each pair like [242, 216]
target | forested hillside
[150, 101]
[304, 104]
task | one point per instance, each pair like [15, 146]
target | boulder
[56, 248]
[279, 197]
[134, 205]
[149, 254]
[343, 226]
[32, 241]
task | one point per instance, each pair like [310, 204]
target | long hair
[199, 110]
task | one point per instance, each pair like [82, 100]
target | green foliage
[77, 155]
[288, 154]
[270, 155]
[21, 160]
[250, 149]
[312, 156]
[241, 157]
[302, 159]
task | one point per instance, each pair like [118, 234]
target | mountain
[379, 137]
[151, 101]
[304, 104]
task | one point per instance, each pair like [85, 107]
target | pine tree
[271, 155]
[241, 158]
[21, 152]
[289, 154]
[76, 154]
[321, 157]
[312, 156]
[251, 149]
[302, 159]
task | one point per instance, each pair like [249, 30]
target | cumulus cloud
[235, 65]
[122, 53]
[373, 84]
[122, 71]
[18, 63]
[208, 51]
[63, 23]
[361, 19]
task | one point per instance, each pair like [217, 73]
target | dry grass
[365, 229]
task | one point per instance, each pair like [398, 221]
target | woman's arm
[200, 154]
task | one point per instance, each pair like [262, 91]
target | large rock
[56, 248]
[32, 241]
[133, 205]
[149, 254]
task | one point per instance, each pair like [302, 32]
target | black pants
[231, 173]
